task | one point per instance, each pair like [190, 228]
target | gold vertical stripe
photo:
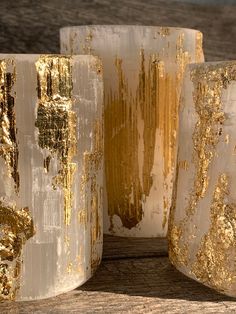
[92, 193]
[56, 121]
[199, 51]
[156, 97]
[8, 141]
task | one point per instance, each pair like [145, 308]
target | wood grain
[135, 275]
[118, 248]
[145, 285]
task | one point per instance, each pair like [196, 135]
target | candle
[143, 69]
[51, 164]
[202, 226]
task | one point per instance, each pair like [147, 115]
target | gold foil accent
[165, 211]
[92, 192]
[98, 66]
[154, 104]
[213, 260]
[183, 164]
[234, 150]
[178, 250]
[87, 45]
[208, 83]
[16, 227]
[182, 58]
[69, 267]
[82, 217]
[8, 141]
[199, 52]
[164, 31]
[56, 122]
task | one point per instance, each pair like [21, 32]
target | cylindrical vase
[143, 69]
[51, 165]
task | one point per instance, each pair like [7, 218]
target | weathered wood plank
[132, 286]
[117, 247]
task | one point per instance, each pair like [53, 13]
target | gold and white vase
[51, 165]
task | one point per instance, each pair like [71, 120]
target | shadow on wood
[149, 277]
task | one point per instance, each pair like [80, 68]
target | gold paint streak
[87, 45]
[182, 58]
[80, 259]
[93, 194]
[98, 66]
[69, 268]
[16, 228]
[157, 98]
[199, 45]
[178, 250]
[56, 122]
[121, 153]
[8, 142]
[234, 151]
[213, 260]
[82, 217]
[164, 31]
[165, 208]
[183, 164]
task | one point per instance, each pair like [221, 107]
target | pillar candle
[143, 69]
[51, 165]
[202, 229]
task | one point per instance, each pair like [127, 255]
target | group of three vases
[61, 133]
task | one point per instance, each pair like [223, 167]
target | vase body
[202, 228]
[51, 164]
[143, 69]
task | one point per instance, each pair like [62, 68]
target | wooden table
[135, 275]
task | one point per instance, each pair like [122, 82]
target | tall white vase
[143, 69]
[51, 173]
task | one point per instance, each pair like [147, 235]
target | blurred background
[216, 2]
[33, 26]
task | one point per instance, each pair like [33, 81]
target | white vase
[143, 69]
[202, 229]
[51, 164]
